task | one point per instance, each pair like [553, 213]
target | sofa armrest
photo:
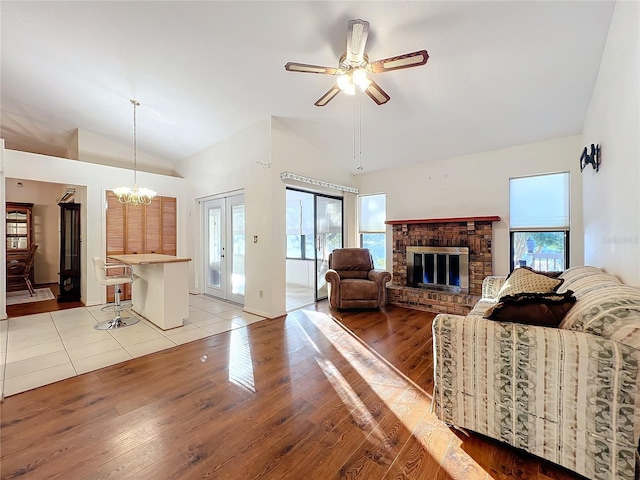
[332, 276]
[571, 397]
[333, 287]
[491, 285]
[381, 277]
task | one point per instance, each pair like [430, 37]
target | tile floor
[39, 349]
[299, 296]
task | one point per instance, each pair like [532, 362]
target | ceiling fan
[354, 67]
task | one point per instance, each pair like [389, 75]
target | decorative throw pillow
[525, 280]
[550, 274]
[542, 309]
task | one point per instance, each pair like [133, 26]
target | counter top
[148, 258]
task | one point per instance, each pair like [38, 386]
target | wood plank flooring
[306, 396]
[44, 306]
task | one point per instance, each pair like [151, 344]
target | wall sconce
[593, 158]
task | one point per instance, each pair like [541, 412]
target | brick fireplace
[474, 233]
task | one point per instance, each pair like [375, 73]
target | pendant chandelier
[134, 195]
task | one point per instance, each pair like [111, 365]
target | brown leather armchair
[353, 281]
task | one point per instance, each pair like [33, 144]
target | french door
[224, 248]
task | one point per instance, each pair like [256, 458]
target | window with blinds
[539, 208]
[371, 227]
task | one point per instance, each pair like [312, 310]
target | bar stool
[116, 280]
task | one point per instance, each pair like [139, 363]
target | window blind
[372, 213]
[539, 202]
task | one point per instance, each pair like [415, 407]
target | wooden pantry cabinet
[140, 229]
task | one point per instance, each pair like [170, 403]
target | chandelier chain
[135, 143]
[134, 195]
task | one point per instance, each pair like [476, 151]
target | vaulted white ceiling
[499, 74]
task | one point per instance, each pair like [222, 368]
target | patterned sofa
[569, 394]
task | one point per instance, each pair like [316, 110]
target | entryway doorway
[224, 248]
[314, 229]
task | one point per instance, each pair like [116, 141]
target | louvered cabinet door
[141, 229]
[169, 246]
[134, 238]
[153, 227]
[115, 232]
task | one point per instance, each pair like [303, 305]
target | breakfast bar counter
[160, 289]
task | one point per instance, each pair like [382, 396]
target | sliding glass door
[328, 237]
[314, 230]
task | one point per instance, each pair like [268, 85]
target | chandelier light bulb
[344, 81]
[360, 78]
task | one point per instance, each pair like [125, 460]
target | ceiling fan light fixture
[354, 66]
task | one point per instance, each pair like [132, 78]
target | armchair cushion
[351, 262]
[358, 289]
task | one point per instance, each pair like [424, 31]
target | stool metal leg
[118, 321]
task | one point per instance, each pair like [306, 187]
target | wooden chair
[19, 270]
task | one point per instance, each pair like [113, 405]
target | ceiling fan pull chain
[354, 133]
[360, 129]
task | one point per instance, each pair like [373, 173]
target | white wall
[97, 179]
[292, 153]
[301, 272]
[46, 223]
[230, 166]
[3, 249]
[612, 195]
[478, 185]
[97, 149]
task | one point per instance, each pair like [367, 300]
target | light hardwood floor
[316, 394]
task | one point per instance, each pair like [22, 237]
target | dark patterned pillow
[542, 309]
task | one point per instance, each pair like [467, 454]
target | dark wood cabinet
[19, 234]
[69, 252]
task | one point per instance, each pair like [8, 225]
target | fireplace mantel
[491, 218]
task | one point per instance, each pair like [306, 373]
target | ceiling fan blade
[304, 68]
[323, 100]
[377, 94]
[407, 60]
[357, 34]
